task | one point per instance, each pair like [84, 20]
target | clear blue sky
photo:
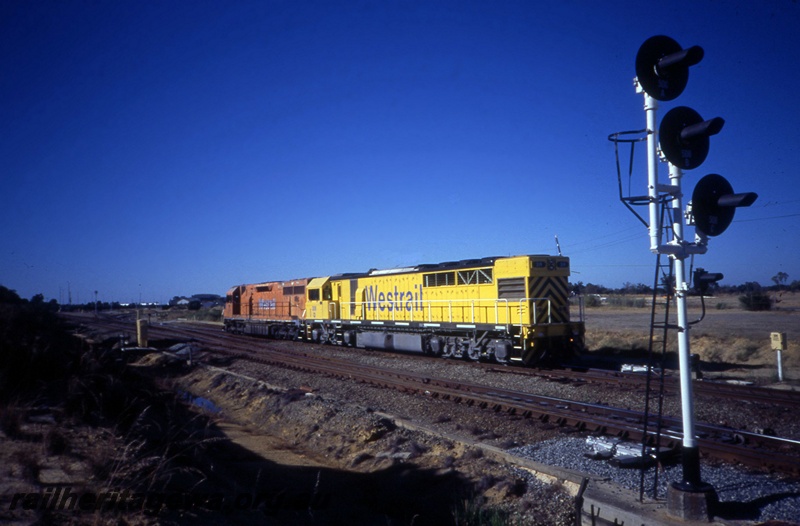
[153, 149]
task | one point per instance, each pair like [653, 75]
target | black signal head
[714, 204]
[662, 66]
[683, 136]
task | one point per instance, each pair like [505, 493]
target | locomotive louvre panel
[511, 288]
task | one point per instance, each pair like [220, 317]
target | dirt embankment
[366, 466]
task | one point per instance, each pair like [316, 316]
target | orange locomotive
[273, 309]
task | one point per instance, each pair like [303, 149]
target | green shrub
[592, 301]
[627, 301]
[755, 301]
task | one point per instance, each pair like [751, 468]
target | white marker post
[778, 341]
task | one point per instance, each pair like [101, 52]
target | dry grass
[727, 334]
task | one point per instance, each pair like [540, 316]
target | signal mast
[662, 72]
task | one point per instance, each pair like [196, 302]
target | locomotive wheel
[473, 353]
[435, 346]
[502, 360]
[448, 351]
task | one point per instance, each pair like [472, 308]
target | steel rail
[728, 444]
[767, 452]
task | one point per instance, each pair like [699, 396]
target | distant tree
[591, 288]
[780, 278]
[9, 296]
[668, 284]
[635, 288]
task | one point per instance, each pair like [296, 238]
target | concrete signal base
[688, 502]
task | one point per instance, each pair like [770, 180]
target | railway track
[748, 448]
[707, 388]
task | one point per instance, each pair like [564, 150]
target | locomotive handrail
[429, 305]
[273, 306]
[533, 308]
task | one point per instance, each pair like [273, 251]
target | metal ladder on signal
[663, 293]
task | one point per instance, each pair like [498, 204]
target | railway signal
[662, 66]
[703, 280]
[714, 204]
[685, 136]
[683, 140]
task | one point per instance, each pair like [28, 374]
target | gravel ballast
[743, 495]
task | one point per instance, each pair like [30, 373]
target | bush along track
[90, 437]
[86, 438]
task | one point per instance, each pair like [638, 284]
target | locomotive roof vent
[391, 271]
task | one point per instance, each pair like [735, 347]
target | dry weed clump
[732, 350]
[621, 341]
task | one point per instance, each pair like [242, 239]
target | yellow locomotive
[509, 309]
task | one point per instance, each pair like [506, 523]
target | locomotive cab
[321, 307]
[319, 299]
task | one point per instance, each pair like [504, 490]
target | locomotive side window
[475, 277]
[313, 294]
[439, 279]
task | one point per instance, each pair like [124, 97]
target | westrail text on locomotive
[394, 299]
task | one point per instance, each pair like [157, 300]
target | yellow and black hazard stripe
[554, 288]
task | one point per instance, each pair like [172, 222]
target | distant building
[205, 301]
